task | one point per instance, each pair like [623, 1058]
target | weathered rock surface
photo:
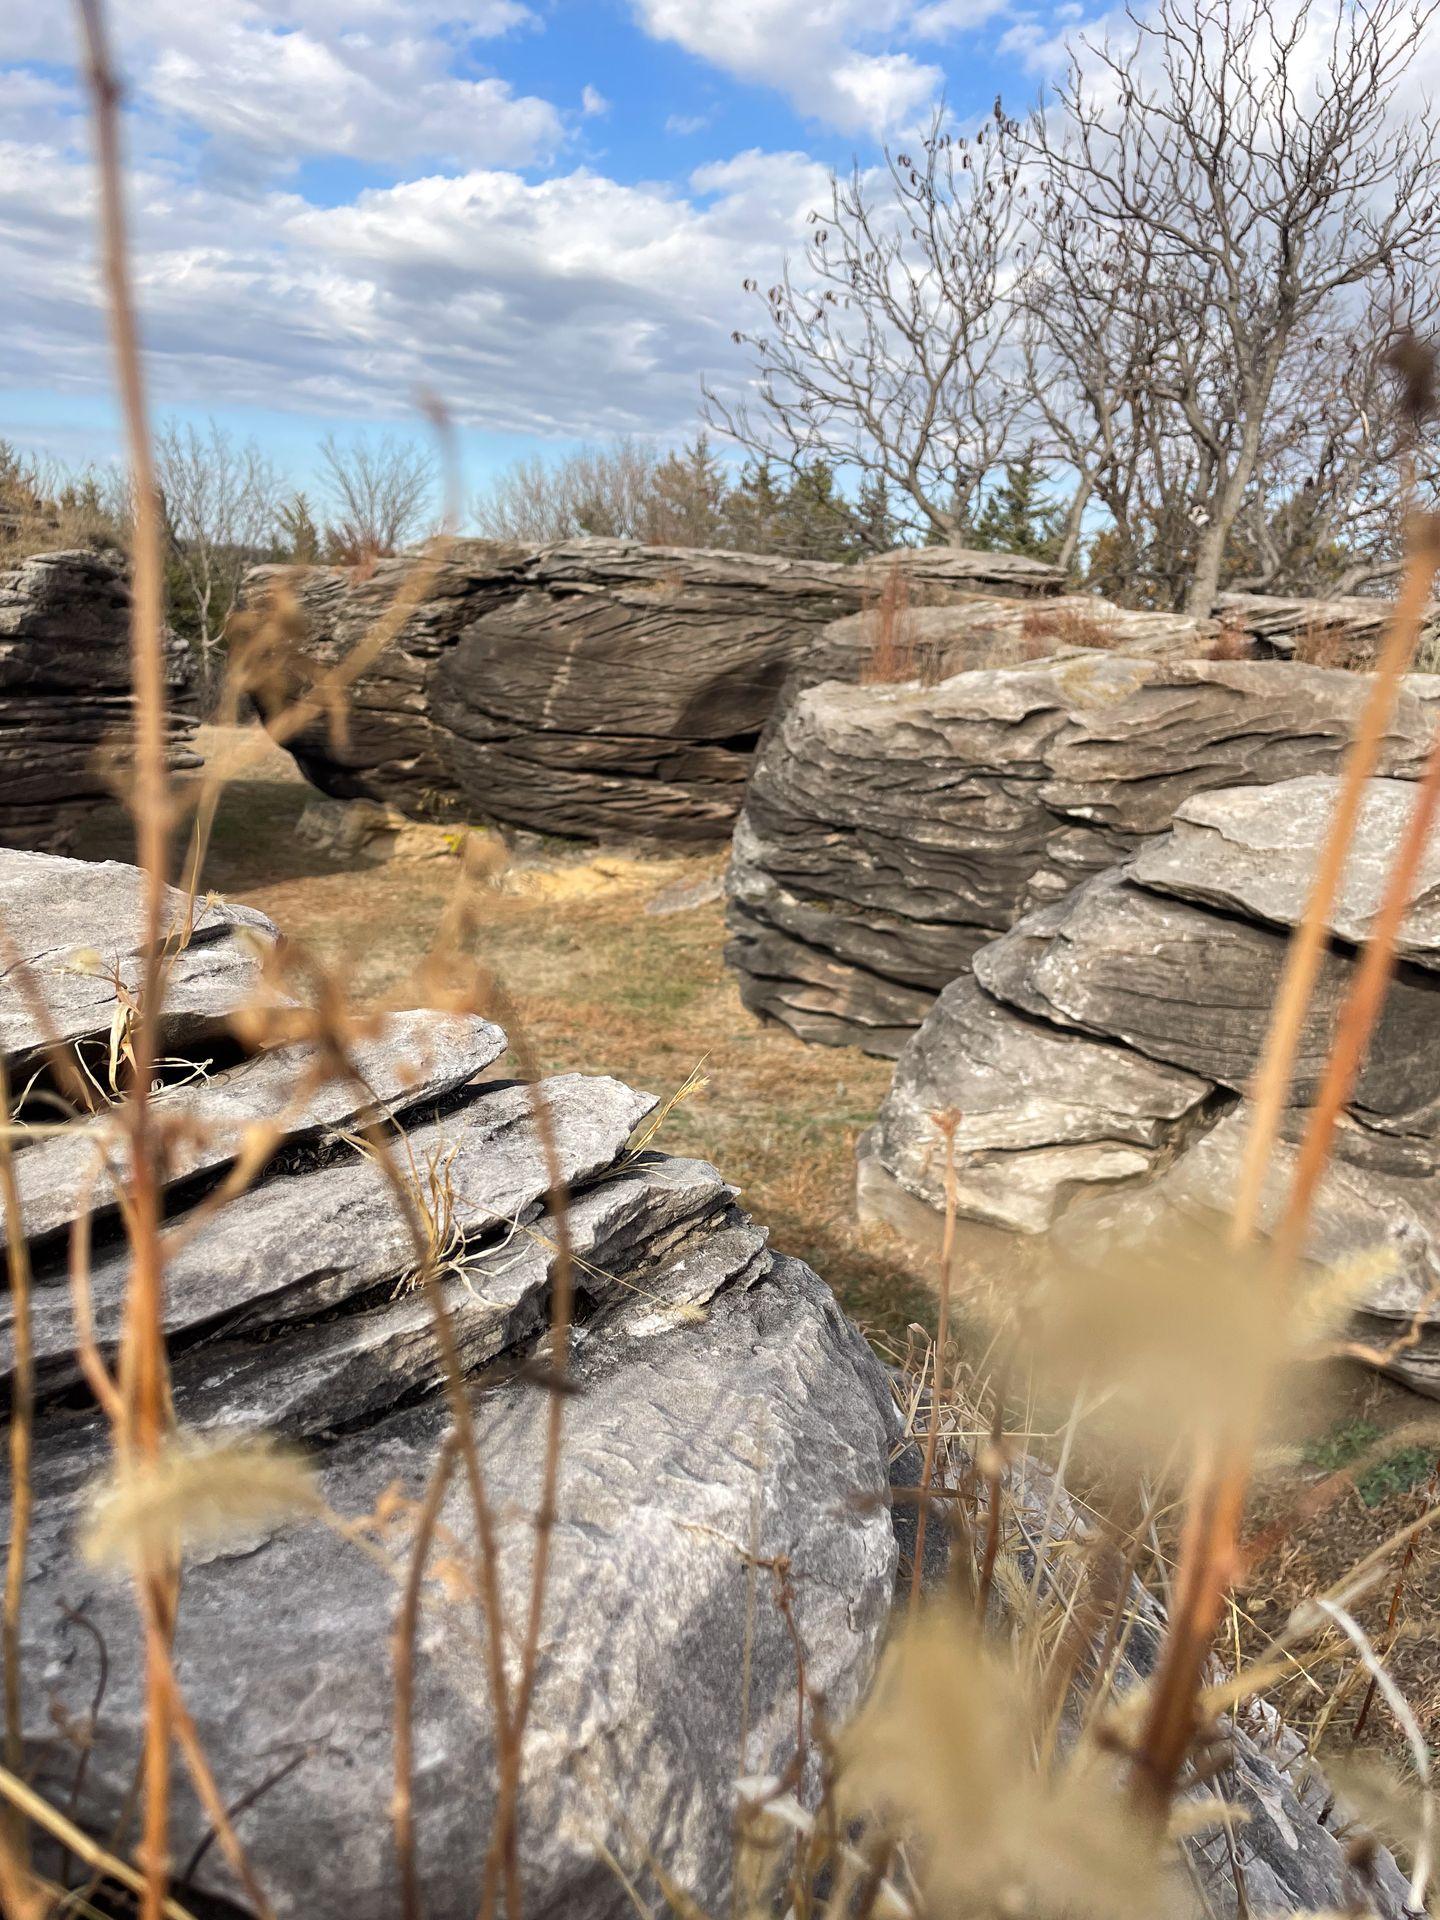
[597, 687]
[1100, 1050]
[72, 930]
[721, 1406]
[1038, 1111]
[418, 1058]
[1293, 1848]
[1253, 851]
[1195, 989]
[927, 642]
[65, 699]
[889, 831]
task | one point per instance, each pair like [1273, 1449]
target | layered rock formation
[66, 709]
[1098, 1056]
[720, 1407]
[1345, 631]
[890, 831]
[597, 687]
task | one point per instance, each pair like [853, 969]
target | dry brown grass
[1321, 643]
[1043, 629]
[1232, 642]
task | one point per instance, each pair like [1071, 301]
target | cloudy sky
[541, 210]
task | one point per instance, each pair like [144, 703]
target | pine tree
[299, 537]
[814, 520]
[687, 498]
[1018, 516]
[754, 511]
[876, 529]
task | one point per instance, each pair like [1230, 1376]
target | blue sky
[541, 210]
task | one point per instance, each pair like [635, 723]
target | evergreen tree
[754, 511]
[815, 521]
[298, 536]
[1018, 516]
[876, 528]
[687, 499]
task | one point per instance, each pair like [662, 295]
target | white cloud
[834, 59]
[367, 79]
[686, 123]
[593, 103]
[288, 94]
[571, 306]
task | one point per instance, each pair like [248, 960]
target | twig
[144, 1383]
[1209, 1550]
[1396, 1597]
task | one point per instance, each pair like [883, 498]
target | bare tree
[604, 491]
[884, 355]
[220, 498]
[1255, 157]
[626, 491]
[378, 494]
[1324, 513]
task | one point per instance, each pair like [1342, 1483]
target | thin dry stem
[1271, 1089]
[947, 1124]
[406, 1628]
[22, 1419]
[1210, 1558]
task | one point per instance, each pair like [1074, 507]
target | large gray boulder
[723, 1420]
[1100, 1053]
[66, 709]
[596, 687]
[890, 831]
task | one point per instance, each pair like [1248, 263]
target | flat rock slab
[72, 931]
[415, 1058]
[1100, 1053]
[927, 643]
[1287, 625]
[1376, 1214]
[1195, 989]
[597, 688]
[305, 1243]
[1254, 851]
[890, 831]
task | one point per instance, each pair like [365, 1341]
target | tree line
[226, 506]
[1156, 330]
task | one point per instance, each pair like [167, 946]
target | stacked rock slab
[65, 699]
[1100, 1051]
[721, 1406]
[890, 831]
[597, 687]
[1352, 624]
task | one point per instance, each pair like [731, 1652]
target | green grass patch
[1402, 1472]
